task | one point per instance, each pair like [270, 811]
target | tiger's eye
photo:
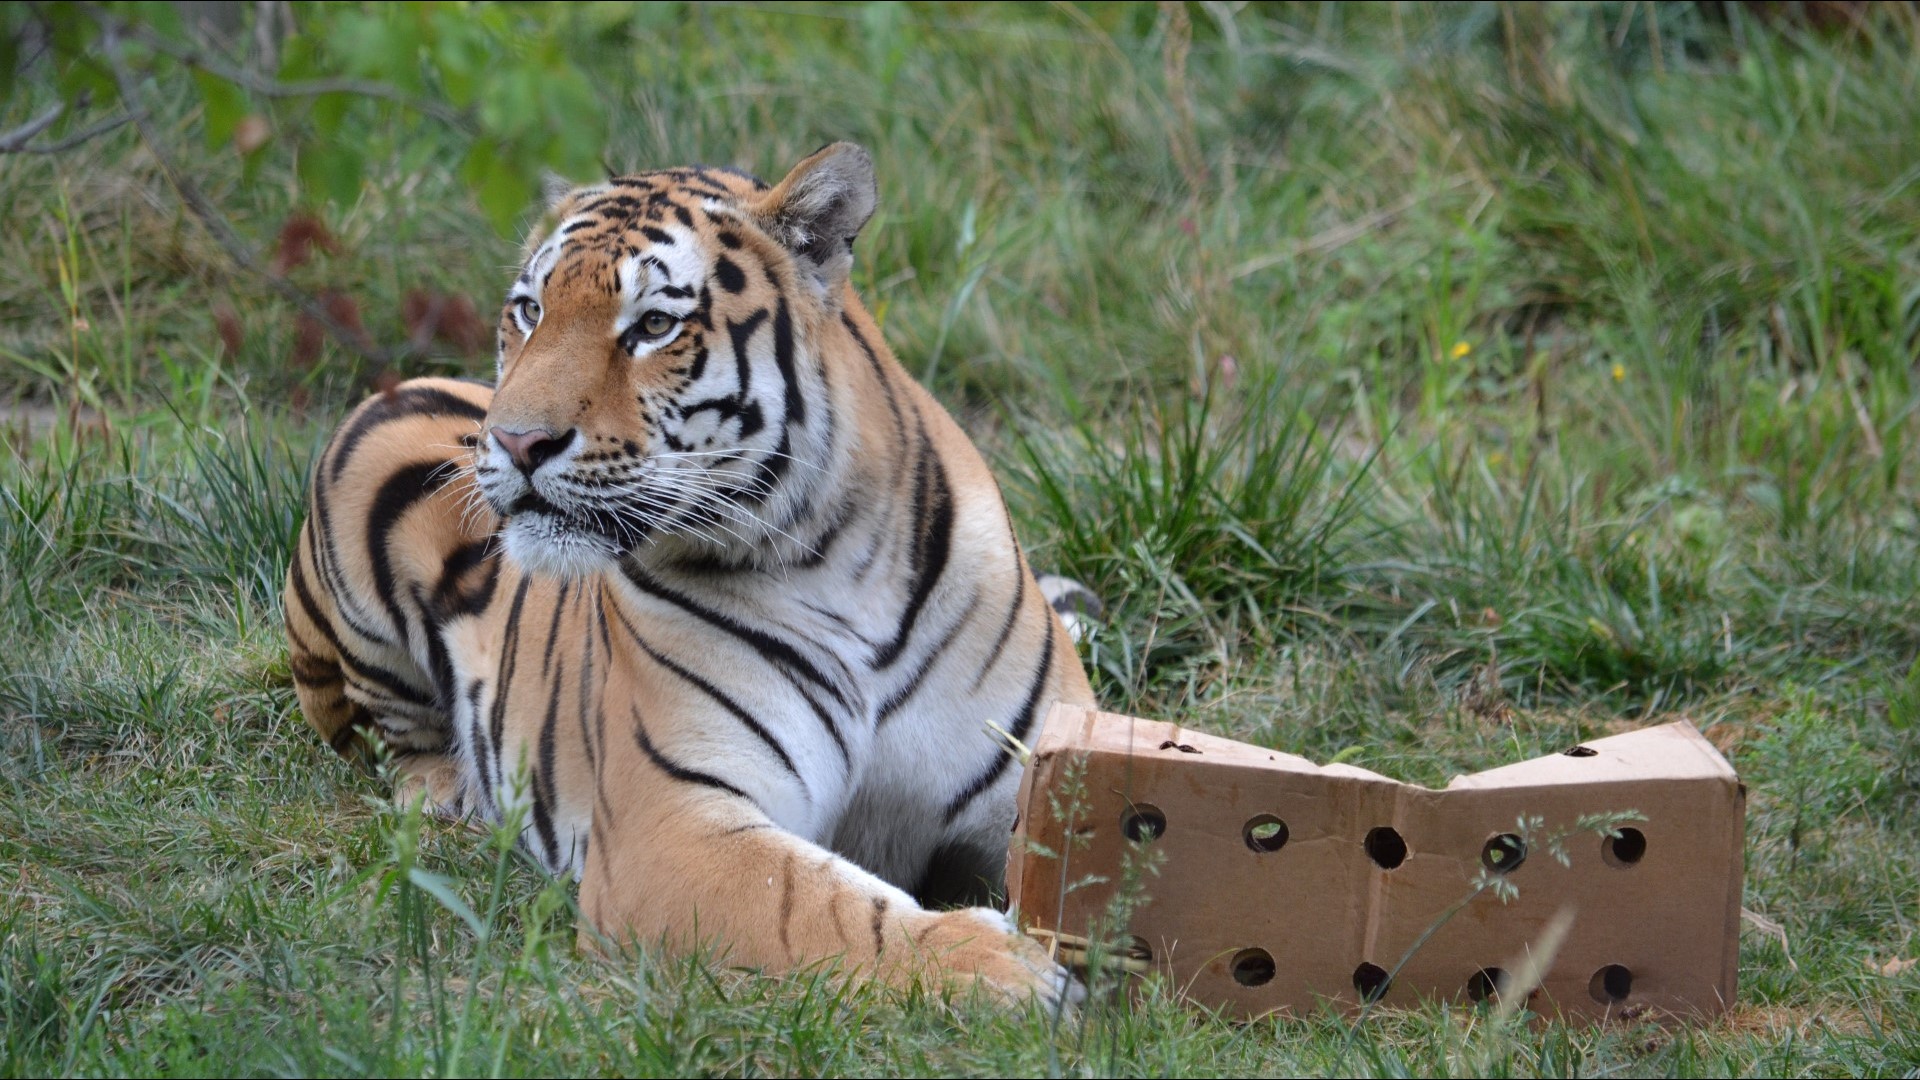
[529, 310]
[657, 323]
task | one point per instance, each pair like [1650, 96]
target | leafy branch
[20, 139]
[204, 60]
[351, 87]
[216, 223]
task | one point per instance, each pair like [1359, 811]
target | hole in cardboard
[1138, 949]
[1253, 967]
[1265, 833]
[1371, 982]
[1385, 847]
[1503, 854]
[1581, 751]
[1611, 984]
[1625, 849]
[1485, 984]
[1143, 822]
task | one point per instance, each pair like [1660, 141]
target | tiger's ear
[819, 208]
[554, 189]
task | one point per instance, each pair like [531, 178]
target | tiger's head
[661, 363]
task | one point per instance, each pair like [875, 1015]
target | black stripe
[1022, 723]
[306, 663]
[396, 495]
[769, 469]
[439, 663]
[489, 755]
[932, 543]
[584, 708]
[600, 617]
[326, 559]
[450, 601]
[721, 698]
[344, 741]
[880, 373]
[316, 674]
[678, 772]
[543, 788]
[358, 669]
[826, 721]
[768, 646]
[885, 524]
[783, 357]
[410, 401]
[838, 620]
[1006, 628]
[741, 334]
[932, 657]
[553, 629]
[471, 729]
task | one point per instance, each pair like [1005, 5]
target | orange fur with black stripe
[708, 594]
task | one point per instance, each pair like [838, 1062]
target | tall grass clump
[232, 515]
[1206, 518]
[1555, 590]
[70, 513]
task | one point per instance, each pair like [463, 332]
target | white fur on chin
[544, 549]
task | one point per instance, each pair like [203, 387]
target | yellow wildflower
[1619, 372]
[1459, 351]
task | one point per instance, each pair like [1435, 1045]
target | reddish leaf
[345, 311]
[298, 237]
[309, 334]
[307, 339]
[227, 322]
[431, 315]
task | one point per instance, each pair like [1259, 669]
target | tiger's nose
[531, 449]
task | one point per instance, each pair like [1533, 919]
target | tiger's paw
[980, 947]
[436, 783]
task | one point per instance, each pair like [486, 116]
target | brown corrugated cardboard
[1276, 883]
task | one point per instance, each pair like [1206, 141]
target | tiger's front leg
[688, 862]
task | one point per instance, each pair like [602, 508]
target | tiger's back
[708, 589]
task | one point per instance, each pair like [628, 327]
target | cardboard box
[1278, 884]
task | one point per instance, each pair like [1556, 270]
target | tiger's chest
[781, 697]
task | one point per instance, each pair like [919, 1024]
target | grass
[1427, 387]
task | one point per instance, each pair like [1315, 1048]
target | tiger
[703, 595]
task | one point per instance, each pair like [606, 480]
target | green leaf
[250, 166]
[86, 79]
[9, 48]
[460, 53]
[223, 104]
[442, 890]
[499, 181]
[510, 102]
[299, 58]
[332, 171]
[329, 110]
[359, 40]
